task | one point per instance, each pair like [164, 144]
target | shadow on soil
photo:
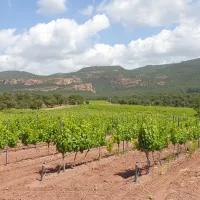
[68, 166]
[59, 168]
[126, 174]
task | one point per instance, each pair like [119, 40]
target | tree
[36, 104]
[10, 103]
[49, 100]
[22, 104]
[59, 98]
[76, 99]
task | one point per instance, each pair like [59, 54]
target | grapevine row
[78, 131]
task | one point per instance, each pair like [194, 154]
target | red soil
[110, 178]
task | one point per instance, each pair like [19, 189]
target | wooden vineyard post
[148, 163]
[118, 142]
[136, 172]
[7, 143]
[35, 120]
[173, 118]
[198, 143]
[199, 138]
[99, 158]
[63, 158]
[6, 154]
[123, 133]
[42, 172]
[178, 148]
[63, 155]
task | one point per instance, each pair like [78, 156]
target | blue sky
[21, 14]
[130, 33]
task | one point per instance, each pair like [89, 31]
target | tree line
[37, 101]
[172, 100]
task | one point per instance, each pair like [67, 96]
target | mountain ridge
[85, 69]
[109, 80]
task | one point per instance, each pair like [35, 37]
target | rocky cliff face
[123, 82]
[87, 87]
[69, 84]
[27, 82]
[82, 87]
[74, 83]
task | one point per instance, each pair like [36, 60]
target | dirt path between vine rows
[110, 178]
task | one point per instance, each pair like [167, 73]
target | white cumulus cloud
[143, 13]
[49, 7]
[63, 45]
[168, 46]
[45, 47]
[57, 38]
[51, 48]
[7, 38]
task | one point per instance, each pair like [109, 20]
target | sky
[54, 36]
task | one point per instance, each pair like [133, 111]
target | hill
[16, 75]
[109, 80]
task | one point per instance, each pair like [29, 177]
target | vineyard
[118, 129]
[80, 129]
